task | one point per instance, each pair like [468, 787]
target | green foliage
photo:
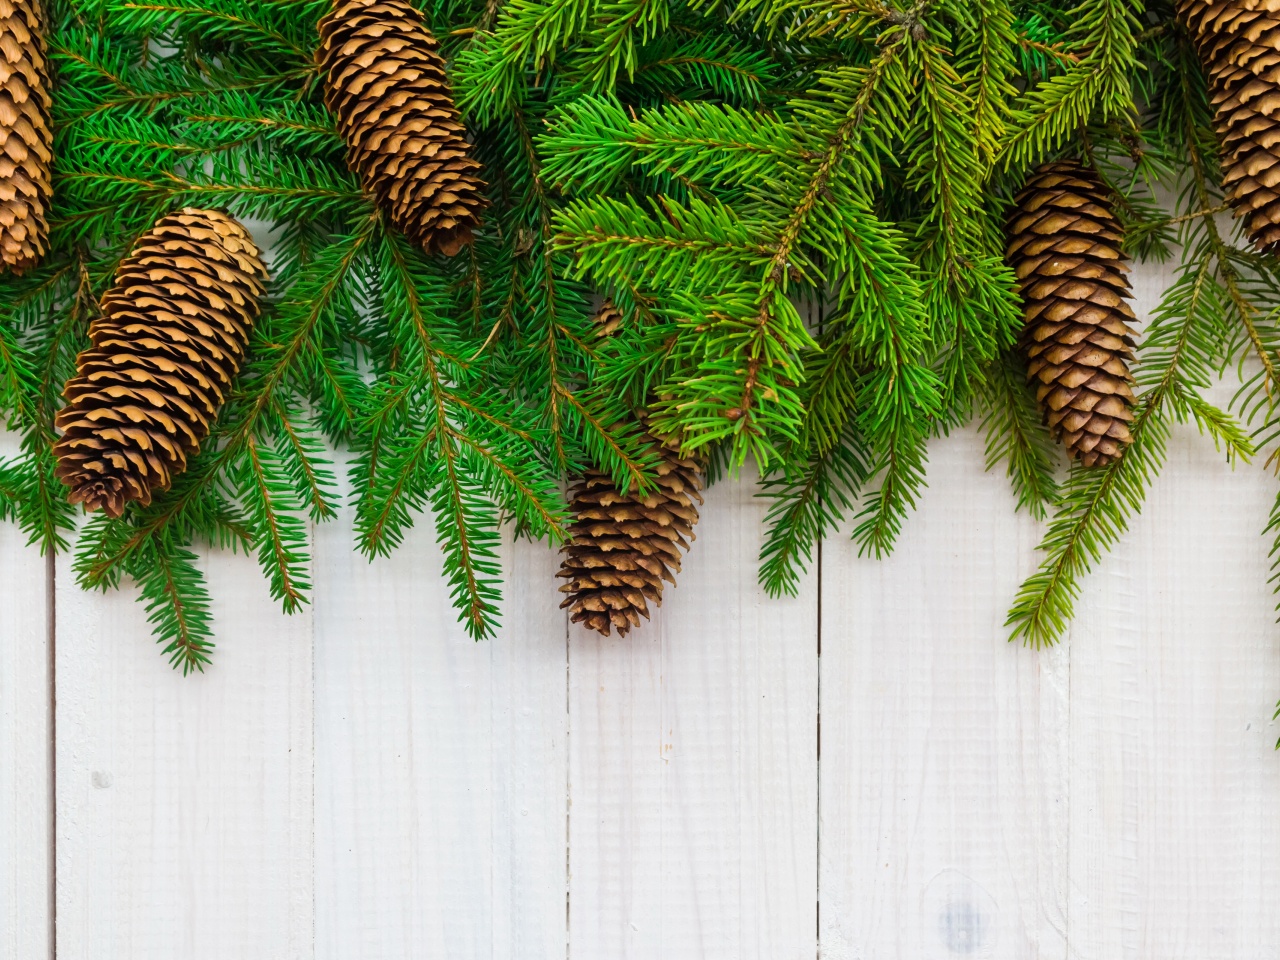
[1216, 315]
[1015, 437]
[422, 367]
[867, 186]
[797, 205]
[1098, 39]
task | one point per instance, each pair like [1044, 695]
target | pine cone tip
[624, 545]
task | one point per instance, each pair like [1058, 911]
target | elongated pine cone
[26, 135]
[386, 85]
[1239, 45]
[170, 340]
[623, 545]
[1064, 248]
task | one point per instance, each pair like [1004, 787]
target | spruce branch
[278, 27]
[709, 168]
[807, 505]
[987, 61]
[1104, 31]
[1096, 505]
[969, 289]
[1016, 437]
[177, 603]
[1095, 509]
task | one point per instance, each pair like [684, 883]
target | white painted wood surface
[693, 763]
[184, 804]
[867, 772]
[944, 821]
[440, 762]
[25, 746]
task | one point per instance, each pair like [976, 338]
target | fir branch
[1046, 114]
[619, 27]
[451, 454]
[1096, 507]
[269, 26]
[769, 339]
[969, 290]
[1054, 51]
[713, 66]
[177, 603]
[279, 534]
[807, 506]
[592, 142]
[987, 62]
[1097, 504]
[1016, 436]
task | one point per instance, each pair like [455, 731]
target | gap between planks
[568, 783]
[817, 766]
[51, 755]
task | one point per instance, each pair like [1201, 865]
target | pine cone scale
[163, 350]
[26, 137]
[1239, 44]
[385, 83]
[622, 541]
[1075, 291]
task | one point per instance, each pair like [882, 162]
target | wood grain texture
[184, 803]
[1175, 670]
[440, 769]
[692, 761]
[24, 745]
[1175, 845]
[943, 831]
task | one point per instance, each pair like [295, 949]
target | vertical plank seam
[1067, 760]
[51, 757]
[311, 666]
[817, 880]
[568, 782]
[817, 827]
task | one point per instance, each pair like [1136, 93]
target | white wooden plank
[693, 764]
[24, 744]
[943, 827]
[1175, 671]
[440, 772]
[1174, 675]
[184, 803]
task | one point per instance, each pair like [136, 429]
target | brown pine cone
[172, 335]
[607, 319]
[623, 545]
[1239, 45]
[385, 83]
[26, 135]
[1065, 248]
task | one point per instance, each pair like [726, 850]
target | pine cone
[1239, 44]
[1065, 250]
[607, 319]
[26, 136]
[624, 545]
[171, 337]
[385, 83]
